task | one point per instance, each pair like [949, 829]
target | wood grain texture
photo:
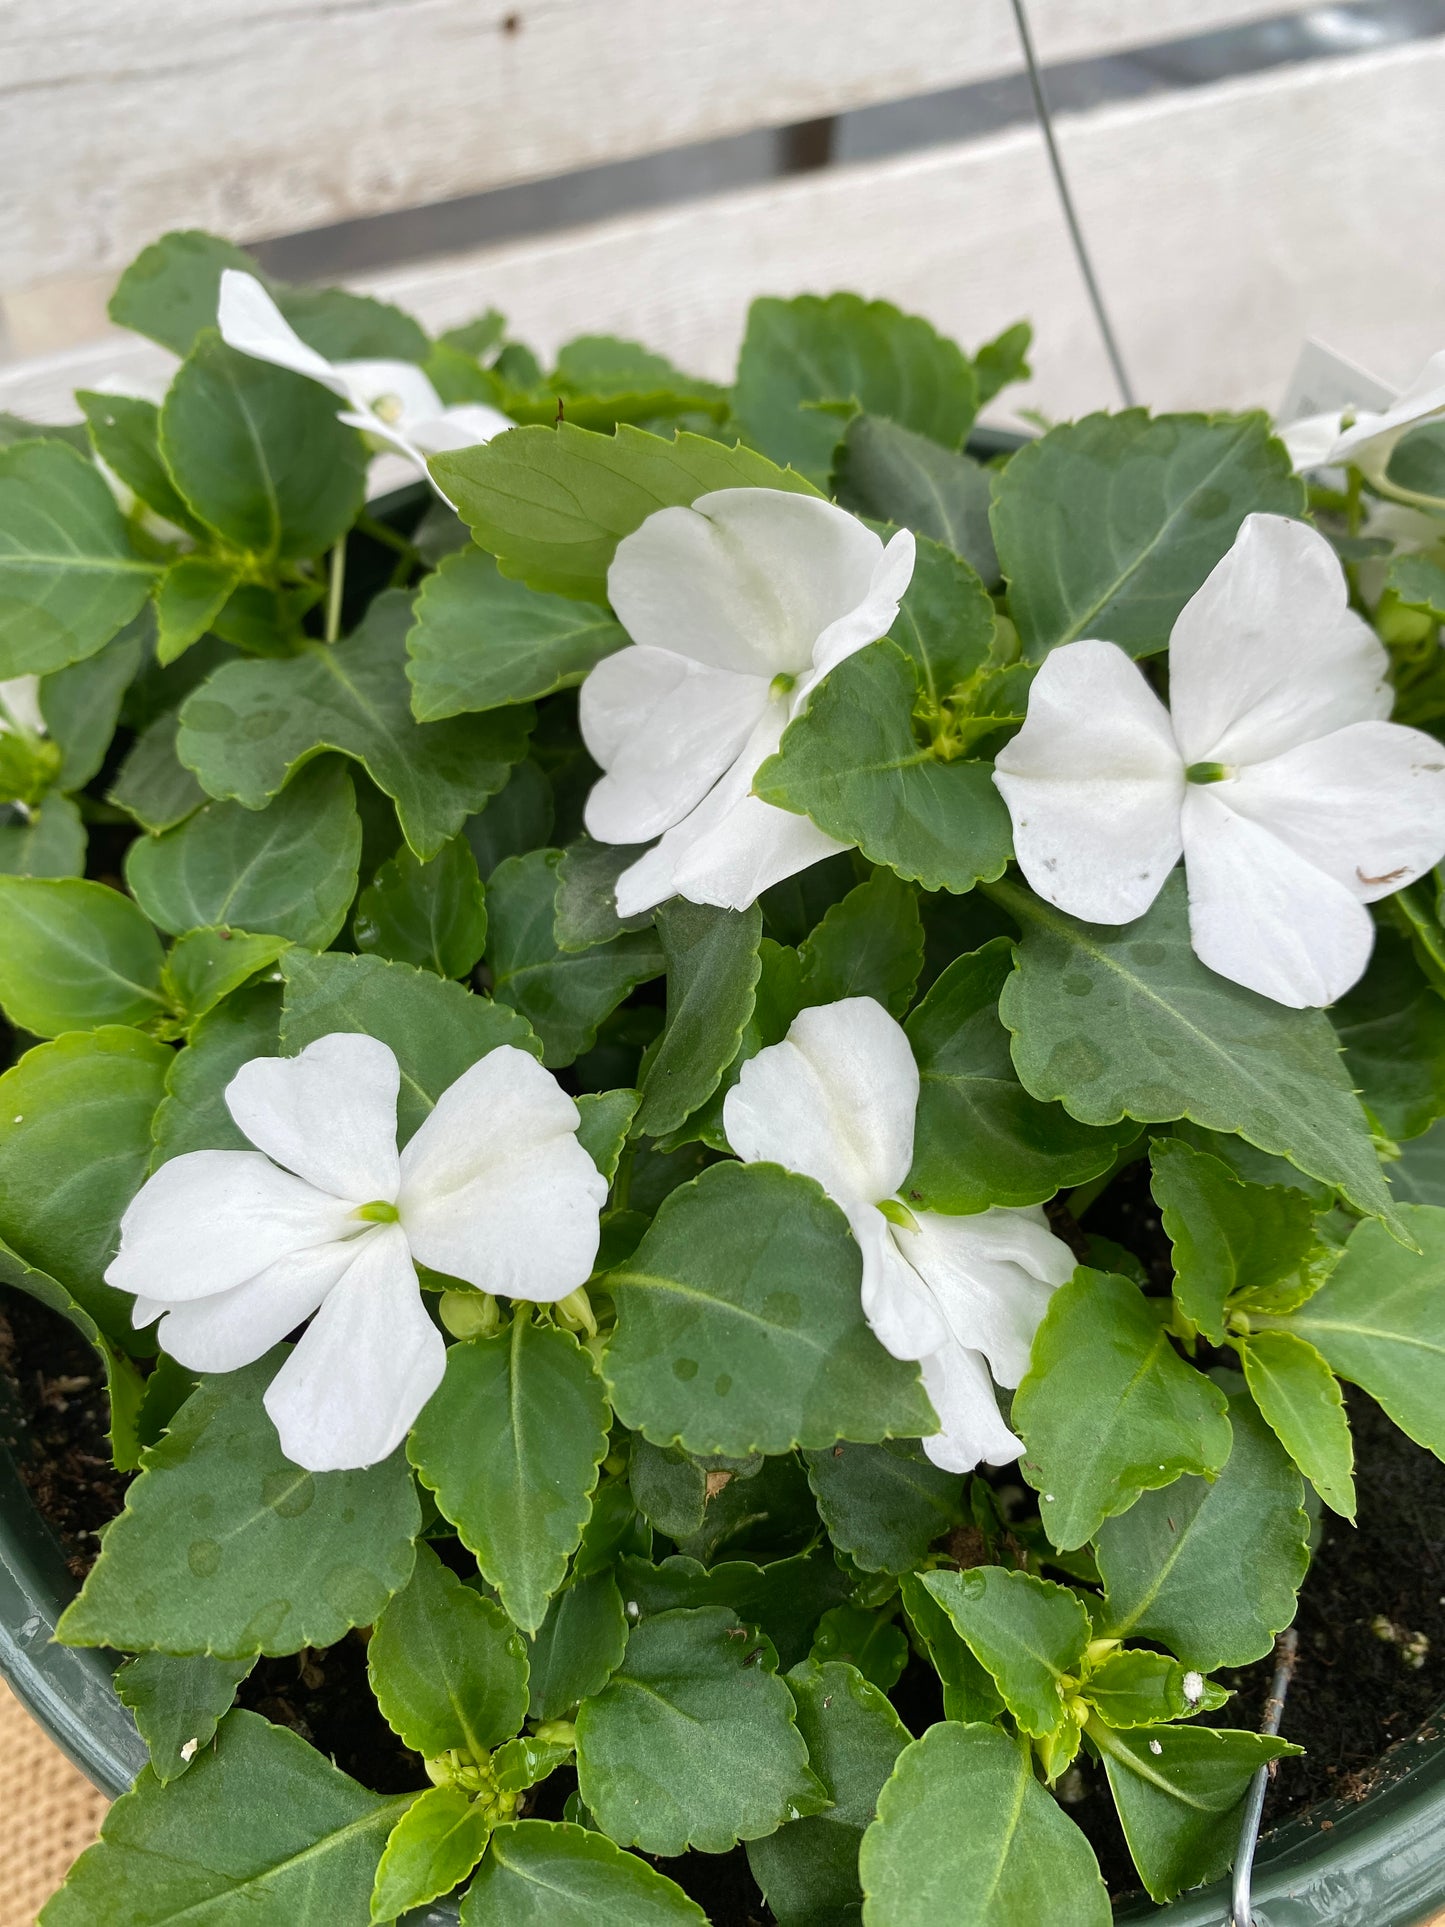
[1228, 222]
[121, 118]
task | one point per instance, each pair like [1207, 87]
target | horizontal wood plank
[122, 118]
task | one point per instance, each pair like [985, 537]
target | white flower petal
[1371, 440]
[397, 390]
[1093, 782]
[1267, 654]
[971, 1429]
[250, 322]
[366, 1365]
[212, 1219]
[496, 1189]
[835, 1100]
[747, 579]
[898, 1305]
[328, 1114]
[992, 1276]
[467, 425]
[875, 614]
[1311, 440]
[1365, 804]
[236, 1327]
[663, 729]
[20, 701]
[1262, 915]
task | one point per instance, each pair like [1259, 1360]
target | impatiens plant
[615, 1055]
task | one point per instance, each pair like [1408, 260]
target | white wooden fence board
[1227, 222]
[121, 118]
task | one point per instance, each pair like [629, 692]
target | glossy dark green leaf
[1392, 1025]
[869, 945]
[712, 973]
[153, 785]
[178, 1704]
[577, 1647]
[1028, 1633]
[80, 704]
[248, 729]
[894, 474]
[668, 1487]
[192, 1116]
[884, 1505]
[865, 1638]
[1300, 1399]
[783, 1599]
[433, 915]
[541, 1873]
[586, 907]
[49, 842]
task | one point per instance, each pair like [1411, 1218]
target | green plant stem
[335, 588]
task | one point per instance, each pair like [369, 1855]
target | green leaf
[553, 503]
[778, 998]
[510, 1445]
[979, 1138]
[578, 1646]
[1105, 527]
[808, 1870]
[171, 290]
[852, 763]
[192, 1116]
[259, 455]
[1003, 360]
[1419, 582]
[783, 1599]
[432, 1848]
[946, 625]
[191, 595]
[1139, 1689]
[76, 955]
[712, 974]
[81, 704]
[69, 579]
[289, 869]
[153, 785]
[1211, 1570]
[225, 1547]
[1226, 1235]
[447, 1667]
[1379, 1321]
[968, 1690]
[77, 1157]
[563, 994]
[1299, 1397]
[688, 1744]
[668, 1487]
[1392, 1025]
[586, 908]
[894, 474]
[178, 1703]
[718, 1348]
[125, 433]
[433, 915]
[865, 1638]
[438, 1030]
[205, 966]
[1029, 1634]
[248, 730]
[345, 326]
[542, 1873]
[606, 1118]
[49, 842]
[1178, 1790]
[841, 348]
[262, 1828]
[869, 945]
[884, 1505]
[480, 641]
[1019, 1858]
[1108, 1409]
[1124, 1021]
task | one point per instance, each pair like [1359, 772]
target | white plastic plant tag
[1325, 383]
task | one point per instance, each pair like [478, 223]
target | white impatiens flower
[1323, 441]
[836, 1101]
[20, 706]
[390, 400]
[737, 608]
[232, 1249]
[1293, 802]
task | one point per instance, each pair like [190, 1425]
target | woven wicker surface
[49, 1813]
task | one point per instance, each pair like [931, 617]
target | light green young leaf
[690, 1745]
[432, 1848]
[1132, 1689]
[192, 1116]
[543, 1873]
[712, 974]
[553, 503]
[808, 1869]
[1178, 1790]
[716, 1350]
[1020, 1858]
[1392, 1025]
[191, 595]
[840, 348]
[69, 578]
[578, 1646]
[510, 1445]
[894, 474]
[48, 842]
[563, 994]
[1108, 1409]
[73, 1154]
[480, 641]
[979, 1138]
[248, 729]
[1029, 1634]
[205, 966]
[289, 869]
[1151, 503]
[1124, 1021]
[178, 1703]
[225, 1547]
[1299, 1397]
[152, 784]
[433, 915]
[884, 1505]
[448, 1668]
[1211, 1570]
[869, 945]
[851, 762]
[76, 955]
